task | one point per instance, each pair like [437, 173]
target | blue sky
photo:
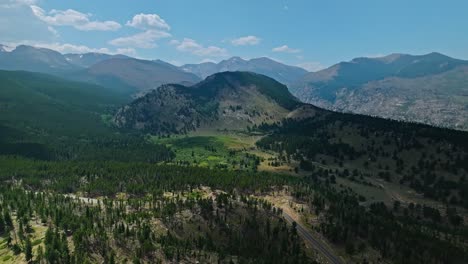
[313, 34]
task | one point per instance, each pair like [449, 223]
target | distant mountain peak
[35, 59]
[435, 53]
[438, 56]
[283, 73]
[142, 75]
[27, 48]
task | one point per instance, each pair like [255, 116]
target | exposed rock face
[430, 89]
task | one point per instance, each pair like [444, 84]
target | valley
[233, 132]
[227, 170]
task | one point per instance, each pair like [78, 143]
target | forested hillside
[188, 214]
[87, 180]
[430, 160]
[50, 118]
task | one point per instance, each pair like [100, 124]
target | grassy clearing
[36, 236]
[229, 151]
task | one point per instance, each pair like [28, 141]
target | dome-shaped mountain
[228, 100]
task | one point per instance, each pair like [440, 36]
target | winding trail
[316, 243]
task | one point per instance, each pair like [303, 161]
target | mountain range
[75, 138]
[27, 58]
[134, 76]
[88, 59]
[122, 73]
[431, 88]
[285, 74]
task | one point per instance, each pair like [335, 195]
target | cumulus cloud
[247, 40]
[148, 21]
[190, 45]
[53, 31]
[126, 51]
[376, 55]
[16, 3]
[73, 18]
[146, 39]
[285, 49]
[207, 60]
[69, 48]
[17, 22]
[72, 48]
[154, 27]
[174, 42]
[311, 66]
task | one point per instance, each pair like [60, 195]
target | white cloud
[73, 18]
[176, 63]
[247, 40]
[373, 56]
[24, 2]
[174, 42]
[148, 21]
[146, 39]
[72, 48]
[311, 66]
[190, 45]
[16, 3]
[6, 47]
[127, 51]
[17, 22]
[53, 31]
[286, 49]
[207, 60]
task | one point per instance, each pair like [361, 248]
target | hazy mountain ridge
[141, 75]
[428, 88]
[28, 58]
[86, 60]
[285, 74]
[122, 73]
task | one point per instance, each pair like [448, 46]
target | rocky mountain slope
[228, 100]
[283, 73]
[430, 88]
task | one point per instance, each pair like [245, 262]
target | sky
[307, 33]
